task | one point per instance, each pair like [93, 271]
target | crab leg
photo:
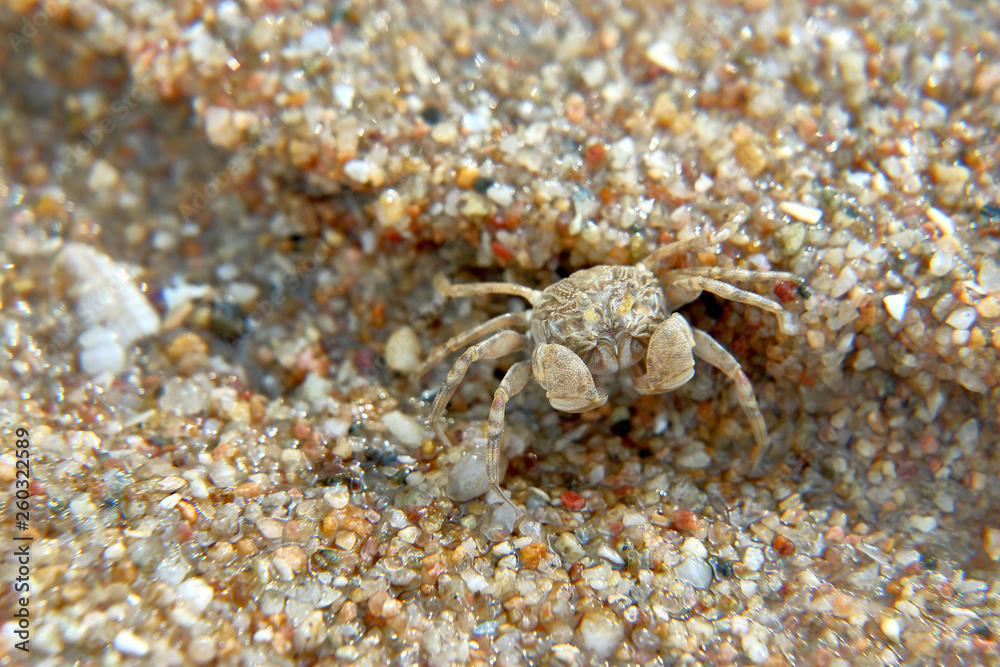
[497, 345]
[505, 321]
[447, 289]
[722, 273]
[707, 348]
[513, 382]
[675, 248]
[685, 288]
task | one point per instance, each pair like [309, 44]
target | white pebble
[222, 474]
[941, 263]
[594, 72]
[128, 643]
[102, 176]
[924, 524]
[695, 571]
[941, 221]
[621, 153]
[855, 249]
[895, 304]
[601, 632]
[864, 360]
[694, 456]
[989, 275]
[195, 594]
[968, 434]
[945, 503]
[334, 428]
[404, 428]
[502, 195]
[474, 123]
[968, 379]
[753, 559]
[402, 350]
[695, 547]
[316, 40]
[962, 318]
[607, 553]
[316, 389]
[662, 53]
[358, 170]
[754, 649]
[467, 479]
[807, 214]
[703, 183]
[907, 557]
[847, 279]
[890, 628]
[100, 352]
[182, 397]
[242, 293]
[343, 93]
[220, 127]
[81, 507]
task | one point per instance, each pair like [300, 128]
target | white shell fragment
[807, 214]
[896, 305]
[112, 313]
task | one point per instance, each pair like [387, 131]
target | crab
[596, 322]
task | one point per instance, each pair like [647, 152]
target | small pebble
[288, 559]
[390, 208]
[663, 54]
[991, 542]
[962, 318]
[941, 264]
[467, 478]
[941, 221]
[601, 632]
[895, 304]
[358, 170]
[196, 594]
[755, 649]
[846, 279]
[500, 194]
[696, 571]
[890, 628]
[343, 93]
[807, 214]
[694, 456]
[572, 500]
[402, 350]
[103, 176]
[753, 559]
[128, 643]
[404, 428]
[988, 307]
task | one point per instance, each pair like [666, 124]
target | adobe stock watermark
[238, 166]
[31, 25]
[97, 133]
